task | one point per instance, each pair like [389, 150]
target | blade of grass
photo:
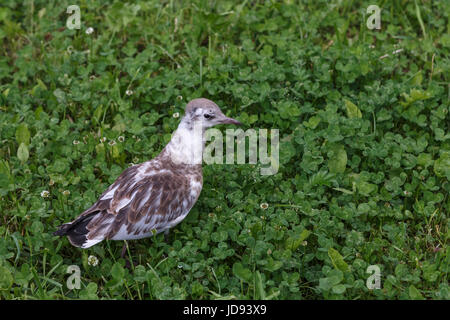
[419, 18]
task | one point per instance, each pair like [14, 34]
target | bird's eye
[207, 116]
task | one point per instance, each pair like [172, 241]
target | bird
[153, 196]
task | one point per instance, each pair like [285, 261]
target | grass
[364, 155]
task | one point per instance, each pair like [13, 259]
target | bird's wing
[141, 200]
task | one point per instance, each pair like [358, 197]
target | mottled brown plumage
[153, 196]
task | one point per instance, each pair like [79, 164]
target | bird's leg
[122, 255]
[166, 235]
[124, 250]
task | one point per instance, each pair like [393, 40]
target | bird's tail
[77, 232]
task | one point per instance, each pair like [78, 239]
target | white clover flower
[92, 77]
[121, 138]
[89, 30]
[75, 142]
[102, 139]
[264, 205]
[51, 182]
[129, 92]
[66, 192]
[45, 194]
[180, 97]
[176, 115]
[112, 142]
[92, 261]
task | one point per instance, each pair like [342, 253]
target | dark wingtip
[62, 230]
[71, 232]
[76, 231]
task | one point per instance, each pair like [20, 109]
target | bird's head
[205, 113]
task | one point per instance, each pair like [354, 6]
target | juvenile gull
[153, 196]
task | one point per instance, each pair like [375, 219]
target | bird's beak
[226, 120]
